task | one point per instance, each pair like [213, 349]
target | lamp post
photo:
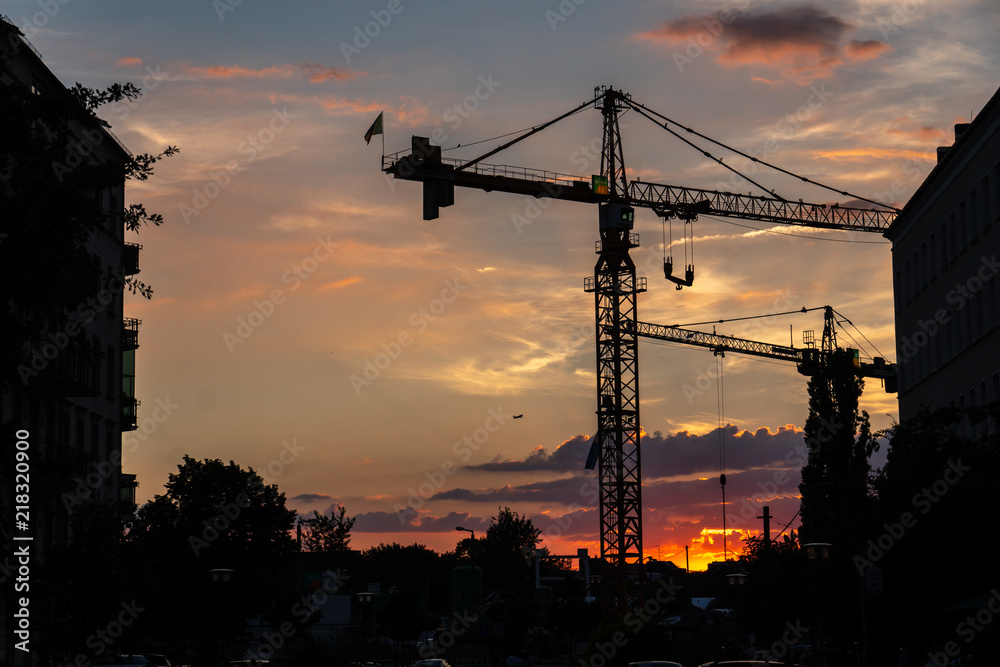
[468, 530]
[817, 551]
[220, 577]
[738, 580]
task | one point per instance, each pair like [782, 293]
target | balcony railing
[130, 259]
[130, 413]
[130, 333]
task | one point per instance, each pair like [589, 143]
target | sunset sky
[308, 323]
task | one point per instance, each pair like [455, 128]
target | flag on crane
[376, 128]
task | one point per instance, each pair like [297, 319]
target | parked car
[749, 663]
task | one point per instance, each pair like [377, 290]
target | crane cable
[718, 160]
[537, 128]
[750, 317]
[860, 332]
[720, 398]
[750, 157]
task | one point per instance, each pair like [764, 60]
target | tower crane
[809, 360]
[614, 283]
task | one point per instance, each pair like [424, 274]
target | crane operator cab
[617, 217]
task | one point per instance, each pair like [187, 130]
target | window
[963, 231]
[952, 237]
[922, 278]
[987, 216]
[973, 222]
[943, 245]
[110, 373]
[976, 306]
[908, 280]
[932, 258]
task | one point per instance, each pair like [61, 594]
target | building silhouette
[68, 389]
[945, 245]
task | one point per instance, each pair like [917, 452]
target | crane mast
[615, 287]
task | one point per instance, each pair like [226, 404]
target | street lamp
[817, 550]
[220, 577]
[738, 579]
[468, 530]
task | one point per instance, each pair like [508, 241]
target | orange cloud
[905, 127]
[866, 50]
[311, 71]
[337, 284]
[337, 105]
[128, 62]
[855, 154]
[803, 43]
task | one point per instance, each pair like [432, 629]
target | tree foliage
[327, 534]
[213, 516]
[52, 175]
[836, 502]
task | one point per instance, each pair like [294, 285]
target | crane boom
[808, 359]
[441, 175]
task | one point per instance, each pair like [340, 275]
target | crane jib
[440, 177]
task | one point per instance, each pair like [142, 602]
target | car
[749, 663]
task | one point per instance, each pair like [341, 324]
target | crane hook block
[686, 281]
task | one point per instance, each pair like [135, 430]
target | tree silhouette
[326, 534]
[836, 503]
[213, 516]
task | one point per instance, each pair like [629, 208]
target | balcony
[130, 259]
[130, 333]
[130, 413]
[126, 490]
